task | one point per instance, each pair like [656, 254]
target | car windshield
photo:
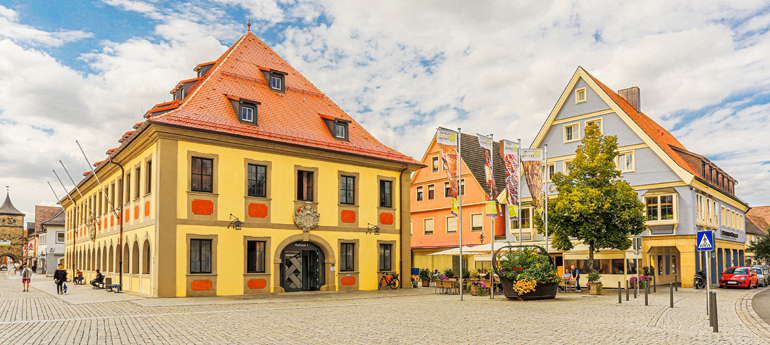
[733, 270]
[757, 270]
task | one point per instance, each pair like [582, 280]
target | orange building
[433, 227]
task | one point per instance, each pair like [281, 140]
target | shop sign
[730, 234]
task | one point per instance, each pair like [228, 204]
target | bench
[99, 286]
[113, 287]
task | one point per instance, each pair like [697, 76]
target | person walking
[576, 276]
[59, 277]
[26, 277]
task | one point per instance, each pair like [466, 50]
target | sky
[88, 70]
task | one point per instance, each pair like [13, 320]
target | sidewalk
[81, 294]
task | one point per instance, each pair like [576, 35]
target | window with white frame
[566, 167]
[477, 222]
[451, 224]
[59, 237]
[625, 162]
[427, 226]
[571, 132]
[660, 207]
[580, 95]
[551, 171]
[526, 218]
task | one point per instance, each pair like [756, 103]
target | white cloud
[25, 34]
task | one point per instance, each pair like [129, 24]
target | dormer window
[341, 130]
[276, 82]
[247, 114]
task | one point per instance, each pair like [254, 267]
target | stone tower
[11, 231]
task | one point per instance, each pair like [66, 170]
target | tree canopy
[594, 205]
[761, 248]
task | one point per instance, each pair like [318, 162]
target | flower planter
[426, 283]
[595, 289]
[542, 291]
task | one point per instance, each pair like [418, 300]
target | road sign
[705, 240]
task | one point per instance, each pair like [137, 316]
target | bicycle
[389, 280]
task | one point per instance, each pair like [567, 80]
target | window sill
[307, 202]
[571, 141]
[386, 208]
[347, 205]
[200, 274]
[146, 195]
[258, 197]
[201, 193]
[427, 233]
[661, 222]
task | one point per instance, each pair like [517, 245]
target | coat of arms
[306, 218]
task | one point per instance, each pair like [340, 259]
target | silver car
[763, 277]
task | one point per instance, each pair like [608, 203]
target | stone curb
[747, 315]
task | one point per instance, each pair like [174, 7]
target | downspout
[401, 228]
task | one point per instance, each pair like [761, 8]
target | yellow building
[250, 181]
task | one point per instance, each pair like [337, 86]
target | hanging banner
[532, 165]
[5, 243]
[491, 188]
[447, 141]
[511, 160]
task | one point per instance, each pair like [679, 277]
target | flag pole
[73, 224]
[460, 204]
[492, 230]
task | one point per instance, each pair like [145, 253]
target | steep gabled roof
[44, 213]
[756, 225]
[291, 117]
[58, 219]
[473, 157]
[8, 209]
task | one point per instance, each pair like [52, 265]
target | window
[247, 114]
[660, 269]
[477, 221]
[431, 192]
[462, 186]
[276, 82]
[571, 133]
[451, 224]
[60, 237]
[551, 171]
[724, 219]
[304, 185]
[434, 164]
[598, 123]
[427, 225]
[347, 252]
[447, 190]
[580, 95]
[566, 167]
[257, 180]
[419, 193]
[255, 257]
[668, 264]
[660, 207]
[200, 256]
[149, 177]
[526, 219]
[347, 190]
[525, 235]
[625, 161]
[138, 189]
[128, 188]
[386, 193]
[385, 257]
[202, 175]
[341, 130]
[673, 264]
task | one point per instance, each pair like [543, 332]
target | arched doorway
[302, 267]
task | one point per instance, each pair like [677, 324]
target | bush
[527, 264]
[448, 273]
[474, 274]
[425, 274]
[594, 276]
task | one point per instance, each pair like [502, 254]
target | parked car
[762, 276]
[738, 276]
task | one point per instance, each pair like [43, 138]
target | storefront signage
[729, 234]
[5, 243]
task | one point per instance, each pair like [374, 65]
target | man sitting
[99, 279]
[79, 277]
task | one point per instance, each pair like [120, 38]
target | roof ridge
[7, 208]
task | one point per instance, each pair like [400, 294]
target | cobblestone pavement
[418, 316]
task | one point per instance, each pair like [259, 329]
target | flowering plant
[480, 286]
[527, 264]
[641, 280]
[524, 285]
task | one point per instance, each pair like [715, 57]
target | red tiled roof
[97, 163]
[760, 223]
[43, 213]
[660, 135]
[760, 212]
[204, 64]
[291, 118]
[110, 151]
[138, 124]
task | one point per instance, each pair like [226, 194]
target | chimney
[632, 95]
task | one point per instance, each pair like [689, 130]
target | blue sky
[90, 69]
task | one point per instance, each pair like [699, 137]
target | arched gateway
[304, 262]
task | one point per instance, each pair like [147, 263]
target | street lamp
[236, 224]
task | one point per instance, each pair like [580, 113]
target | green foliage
[527, 264]
[448, 273]
[466, 273]
[474, 274]
[594, 276]
[425, 274]
[761, 248]
[594, 205]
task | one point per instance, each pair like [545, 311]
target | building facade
[434, 229]
[250, 181]
[11, 233]
[683, 192]
[50, 242]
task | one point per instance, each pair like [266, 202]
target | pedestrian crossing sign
[705, 240]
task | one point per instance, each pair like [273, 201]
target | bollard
[676, 283]
[671, 293]
[626, 290]
[636, 289]
[620, 296]
[654, 283]
[646, 292]
[714, 311]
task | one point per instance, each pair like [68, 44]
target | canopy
[456, 251]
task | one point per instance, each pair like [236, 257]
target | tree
[594, 205]
[760, 247]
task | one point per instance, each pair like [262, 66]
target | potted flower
[526, 272]
[642, 281]
[594, 285]
[479, 287]
[425, 277]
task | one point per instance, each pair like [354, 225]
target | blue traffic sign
[705, 240]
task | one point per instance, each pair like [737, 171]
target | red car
[738, 276]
